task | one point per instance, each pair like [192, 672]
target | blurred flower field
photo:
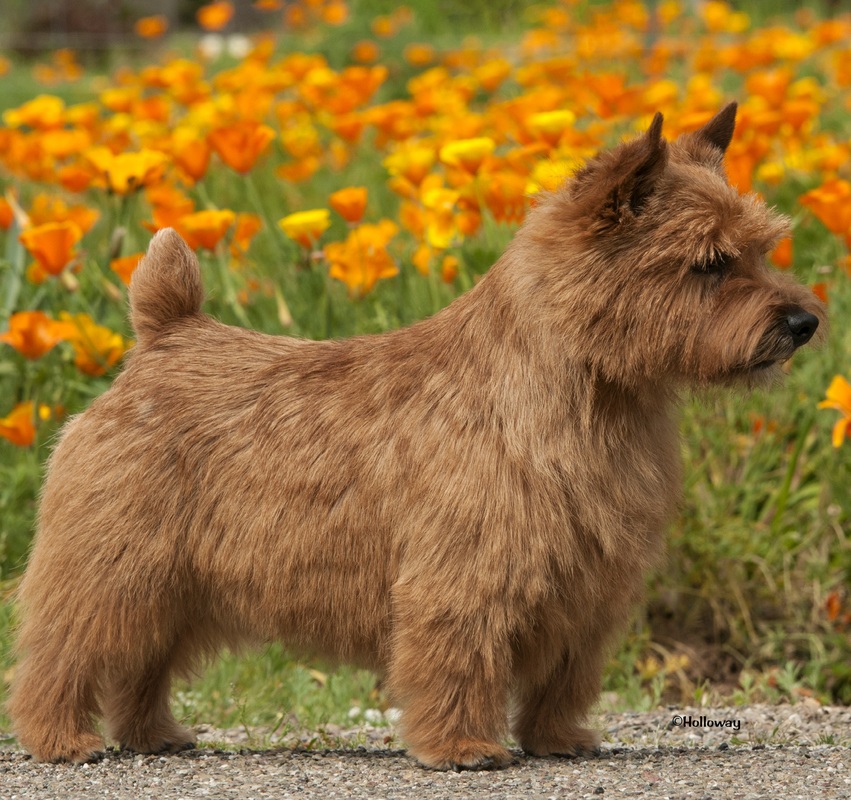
[342, 172]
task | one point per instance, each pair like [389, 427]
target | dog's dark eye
[716, 264]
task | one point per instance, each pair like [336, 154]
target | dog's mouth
[759, 366]
[763, 365]
[775, 349]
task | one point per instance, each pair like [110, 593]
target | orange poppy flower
[295, 16]
[75, 177]
[820, 291]
[62, 143]
[119, 100]
[52, 245]
[384, 27]
[7, 214]
[18, 426]
[831, 203]
[422, 260]
[127, 172]
[365, 52]
[124, 266]
[362, 259]
[419, 55]
[348, 127]
[449, 268]
[96, 348]
[32, 333]
[781, 256]
[247, 227]
[47, 208]
[151, 27]
[839, 397]
[505, 196]
[205, 228]
[491, 74]
[241, 144]
[169, 205]
[335, 13]
[214, 16]
[298, 171]
[191, 153]
[349, 203]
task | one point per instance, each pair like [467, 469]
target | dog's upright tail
[165, 287]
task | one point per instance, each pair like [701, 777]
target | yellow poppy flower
[127, 172]
[305, 227]
[42, 112]
[96, 348]
[468, 154]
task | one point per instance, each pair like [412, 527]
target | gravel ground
[788, 752]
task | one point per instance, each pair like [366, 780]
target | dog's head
[653, 267]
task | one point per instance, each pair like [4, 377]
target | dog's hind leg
[53, 702]
[136, 704]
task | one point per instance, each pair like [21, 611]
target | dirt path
[778, 752]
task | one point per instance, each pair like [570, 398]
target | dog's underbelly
[301, 575]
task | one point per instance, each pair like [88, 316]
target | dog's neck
[498, 321]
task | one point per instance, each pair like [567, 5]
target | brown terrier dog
[467, 506]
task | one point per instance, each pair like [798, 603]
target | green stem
[260, 208]
[433, 287]
[274, 231]
[229, 289]
[14, 281]
[785, 488]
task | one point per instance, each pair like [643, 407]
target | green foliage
[274, 693]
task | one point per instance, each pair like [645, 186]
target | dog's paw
[84, 749]
[467, 755]
[176, 742]
[573, 744]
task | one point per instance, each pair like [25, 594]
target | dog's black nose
[803, 325]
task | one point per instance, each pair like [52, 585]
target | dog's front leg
[450, 670]
[548, 717]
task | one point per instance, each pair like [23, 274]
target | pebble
[794, 752]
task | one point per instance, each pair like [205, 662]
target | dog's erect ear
[637, 170]
[719, 130]
[614, 186]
